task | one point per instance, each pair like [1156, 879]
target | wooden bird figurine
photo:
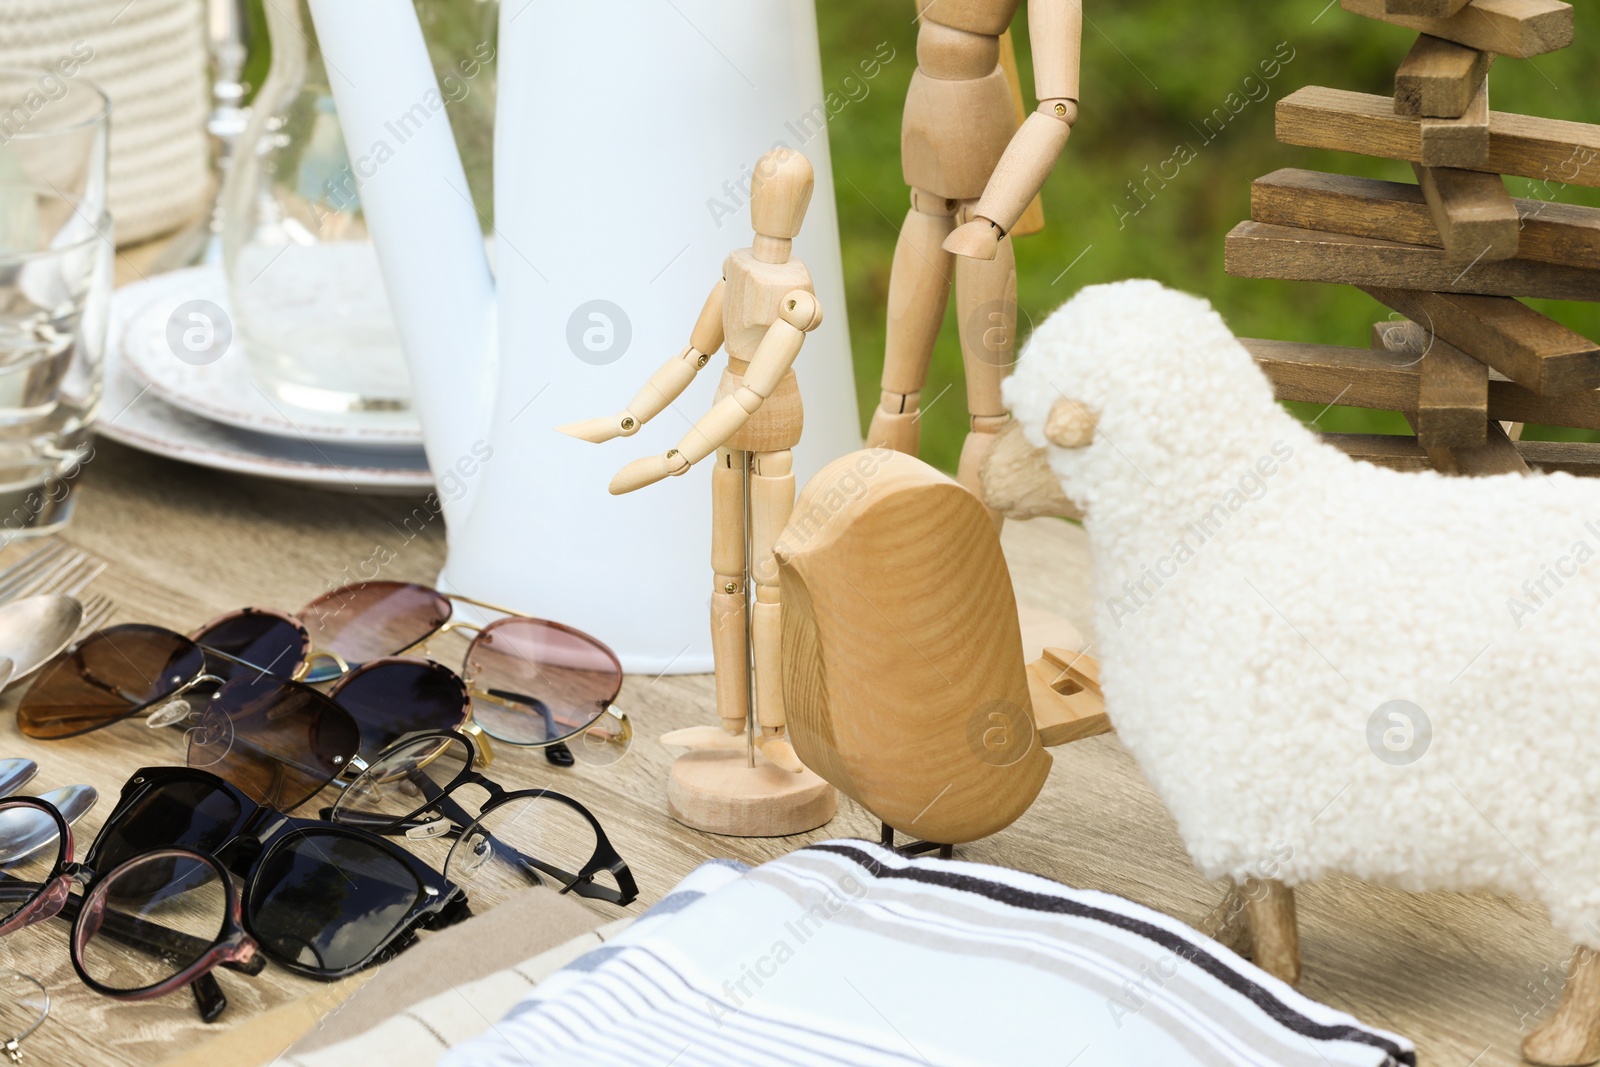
[905, 683]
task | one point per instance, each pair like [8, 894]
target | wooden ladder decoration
[1467, 362]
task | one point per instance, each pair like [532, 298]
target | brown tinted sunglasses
[530, 681]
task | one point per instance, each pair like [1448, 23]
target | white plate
[225, 390]
[131, 413]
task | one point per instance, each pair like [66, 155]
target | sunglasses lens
[278, 741]
[405, 779]
[330, 900]
[266, 641]
[525, 841]
[390, 700]
[150, 919]
[105, 677]
[30, 851]
[533, 682]
[375, 619]
[183, 812]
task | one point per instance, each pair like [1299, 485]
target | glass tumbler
[55, 285]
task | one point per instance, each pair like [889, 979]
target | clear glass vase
[307, 298]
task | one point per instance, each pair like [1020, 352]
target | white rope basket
[150, 58]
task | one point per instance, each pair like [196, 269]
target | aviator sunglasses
[158, 908]
[531, 682]
[134, 668]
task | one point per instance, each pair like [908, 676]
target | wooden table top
[1463, 976]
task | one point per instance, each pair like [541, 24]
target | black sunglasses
[321, 900]
[516, 838]
[147, 927]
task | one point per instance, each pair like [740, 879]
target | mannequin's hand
[603, 428]
[978, 239]
[647, 471]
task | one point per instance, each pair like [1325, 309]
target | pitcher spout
[424, 224]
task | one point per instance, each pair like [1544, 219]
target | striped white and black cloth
[847, 953]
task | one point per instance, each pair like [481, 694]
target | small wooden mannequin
[763, 308]
[972, 171]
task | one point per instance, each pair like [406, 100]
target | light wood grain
[1336, 203]
[1519, 28]
[903, 668]
[1450, 971]
[1438, 78]
[1261, 250]
[1429, 8]
[1554, 150]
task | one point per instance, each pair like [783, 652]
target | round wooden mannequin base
[718, 793]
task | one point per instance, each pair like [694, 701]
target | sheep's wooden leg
[1571, 1036]
[1227, 922]
[1274, 938]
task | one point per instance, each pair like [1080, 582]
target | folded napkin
[845, 952]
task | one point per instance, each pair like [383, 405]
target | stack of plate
[216, 415]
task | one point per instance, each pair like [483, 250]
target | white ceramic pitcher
[624, 138]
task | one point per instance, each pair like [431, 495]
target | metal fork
[67, 571]
[96, 610]
[31, 564]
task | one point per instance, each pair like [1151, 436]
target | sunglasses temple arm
[140, 934]
[209, 1000]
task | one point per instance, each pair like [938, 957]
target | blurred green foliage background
[1153, 70]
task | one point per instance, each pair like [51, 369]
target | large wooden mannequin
[762, 308]
[972, 171]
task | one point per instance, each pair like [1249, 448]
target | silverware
[40, 556]
[72, 801]
[57, 568]
[97, 610]
[34, 629]
[24, 831]
[16, 773]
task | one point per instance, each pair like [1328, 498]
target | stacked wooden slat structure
[1465, 359]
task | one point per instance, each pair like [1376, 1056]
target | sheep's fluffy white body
[1245, 671]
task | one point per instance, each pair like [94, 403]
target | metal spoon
[24, 831]
[15, 773]
[34, 629]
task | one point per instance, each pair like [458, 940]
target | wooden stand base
[719, 793]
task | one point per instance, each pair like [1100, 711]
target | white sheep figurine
[1262, 601]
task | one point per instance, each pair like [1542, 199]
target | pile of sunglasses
[252, 674]
[154, 906]
[158, 909]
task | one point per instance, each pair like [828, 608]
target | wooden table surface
[1463, 976]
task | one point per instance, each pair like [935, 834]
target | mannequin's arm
[774, 356]
[1056, 30]
[665, 385]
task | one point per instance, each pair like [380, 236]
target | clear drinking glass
[53, 132]
[55, 289]
[55, 285]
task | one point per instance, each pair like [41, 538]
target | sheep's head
[1107, 365]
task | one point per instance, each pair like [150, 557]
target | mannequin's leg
[986, 310]
[771, 502]
[728, 598]
[919, 288]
